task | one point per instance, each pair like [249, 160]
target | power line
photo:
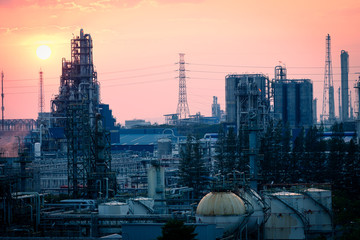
[137, 69]
[249, 66]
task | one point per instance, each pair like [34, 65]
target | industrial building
[293, 100]
[132, 191]
[76, 109]
[216, 110]
[259, 82]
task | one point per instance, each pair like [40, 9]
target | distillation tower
[344, 114]
[76, 109]
[252, 113]
[182, 107]
[328, 108]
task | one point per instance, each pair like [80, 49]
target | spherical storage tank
[225, 209]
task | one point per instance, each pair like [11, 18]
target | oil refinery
[73, 173]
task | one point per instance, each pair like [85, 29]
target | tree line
[283, 157]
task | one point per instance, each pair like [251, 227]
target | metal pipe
[107, 187]
[37, 207]
[31, 210]
[99, 181]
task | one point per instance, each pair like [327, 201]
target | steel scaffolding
[76, 109]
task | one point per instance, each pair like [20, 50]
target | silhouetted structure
[259, 82]
[76, 108]
[215, 109]
[293, 101]
[328, 109]
[182, 108]
[344, 57]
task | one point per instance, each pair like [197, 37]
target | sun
[43, 52]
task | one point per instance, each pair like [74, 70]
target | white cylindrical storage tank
[37, 149]
[285, 222]
[317, 210]
[322, 196]
[113, 208]
[225, 209]
[258, 215]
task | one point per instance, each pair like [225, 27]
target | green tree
[230, 151]
[268, 152]
[220, 152]
[176, 230]
[242, 150]
[192, 167]
[297, 158]
[335, 167]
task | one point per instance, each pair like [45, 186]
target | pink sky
[136, 43]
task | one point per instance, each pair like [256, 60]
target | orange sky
[136, 43]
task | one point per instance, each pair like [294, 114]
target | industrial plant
[263, 168]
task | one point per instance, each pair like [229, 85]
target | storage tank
[299, 215]
[141, 205]
[225, 209]
[317, 210]
[259, 209]
[113, 208]
[285, 221]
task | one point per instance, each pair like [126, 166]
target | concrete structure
[215, 109]
[344, 58]
[156, 181]
[293, 102]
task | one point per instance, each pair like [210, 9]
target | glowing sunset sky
[136, 45]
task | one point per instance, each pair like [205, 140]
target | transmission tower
[328, 108]
[182, 107]
[2, 101]
[41, 94]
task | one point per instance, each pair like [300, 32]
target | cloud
[10, 30]
[178, 1]
[82, 5]
[85, 5]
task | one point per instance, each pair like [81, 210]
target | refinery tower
[76, 110]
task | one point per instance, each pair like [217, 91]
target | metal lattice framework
[41, 93]
[182, 107]
[328, 108]
[76, 108]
